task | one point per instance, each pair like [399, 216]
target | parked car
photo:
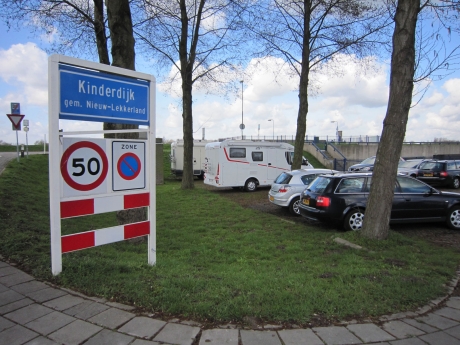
[366, 165]
[286, 188]
[410, 167]
[440, 172]
[342, 199]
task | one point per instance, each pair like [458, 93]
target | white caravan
[177, 157]
[248, 164]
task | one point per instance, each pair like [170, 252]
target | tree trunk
[377, 215]
[123, 55]
[187, 125]
[303, 90]
[99, 30]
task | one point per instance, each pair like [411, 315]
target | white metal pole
[17, 145]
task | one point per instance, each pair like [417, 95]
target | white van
[177, 157]
[248, 164]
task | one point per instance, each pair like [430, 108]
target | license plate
[306, 201]
[428, 174]
[272, 198]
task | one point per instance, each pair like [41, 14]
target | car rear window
[319, 184]
[432, 166]
[284, 178]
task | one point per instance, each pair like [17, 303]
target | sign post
[95, 175]
[26, 129]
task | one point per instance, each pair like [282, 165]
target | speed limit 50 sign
[84, 167]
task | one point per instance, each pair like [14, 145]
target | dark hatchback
[341, 199]
[440, 172]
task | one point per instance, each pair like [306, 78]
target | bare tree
[74, 27]
[200, 40]
[404, 64]
[309, 32]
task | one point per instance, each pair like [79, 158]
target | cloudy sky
[355, 100]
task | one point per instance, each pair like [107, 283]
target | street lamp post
[336, 130]
[242, 122]
[273, 122]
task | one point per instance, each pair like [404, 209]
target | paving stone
[174, 333]
[9, 296]
[144, 342]
[401, 329]
[4, 324]
[455, 332]
[112, 318]
[16, 335]
[30, 286]
[29, 313]
[453, 302]
[8, 270]
[107, 337]
[50, 322]
[408, 341]
[438, 321]
[370, 333]
[41, 341]
[120, 306]
[259, 338]
[440, 338]
[45, 294]
[86, 310]
[142, 327]
[64, 302]
[15, 279]
[219, 337]
[299, 337]
[8, 308]
[336, 335]
[420, 325]
[449, 313]
[75, 333]
[3, 288]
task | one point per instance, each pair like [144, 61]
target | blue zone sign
[97, 96]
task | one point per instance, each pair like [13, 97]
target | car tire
[354, 220]
[453, 218]
[294, 206]
[250, 185]
[456, 183]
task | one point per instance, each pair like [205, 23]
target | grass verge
[220, 262]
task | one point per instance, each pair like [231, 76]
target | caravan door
[274, 163]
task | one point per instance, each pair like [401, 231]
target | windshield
[319, 184]
[370, 160]
[408, 164]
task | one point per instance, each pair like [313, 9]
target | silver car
[286, 188]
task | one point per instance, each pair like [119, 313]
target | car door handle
[269, 163]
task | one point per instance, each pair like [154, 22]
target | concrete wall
[360, 152]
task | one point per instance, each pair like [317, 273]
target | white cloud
[25, 66]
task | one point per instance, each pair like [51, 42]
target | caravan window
[237, 152]
[257, 156]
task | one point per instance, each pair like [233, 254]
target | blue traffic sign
[97, 96]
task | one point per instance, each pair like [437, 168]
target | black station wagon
[440, 172]
[341, 199]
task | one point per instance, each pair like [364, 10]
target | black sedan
[342, 199]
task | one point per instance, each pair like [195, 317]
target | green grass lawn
[218, 261]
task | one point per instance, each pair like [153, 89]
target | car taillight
[283, 189]
[323, 201]
[443, 174]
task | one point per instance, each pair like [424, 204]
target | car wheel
[250, 185]
[453, 218]
[294, 206]
[456, 183]
[354, 220]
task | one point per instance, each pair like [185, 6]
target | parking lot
[434, 232]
